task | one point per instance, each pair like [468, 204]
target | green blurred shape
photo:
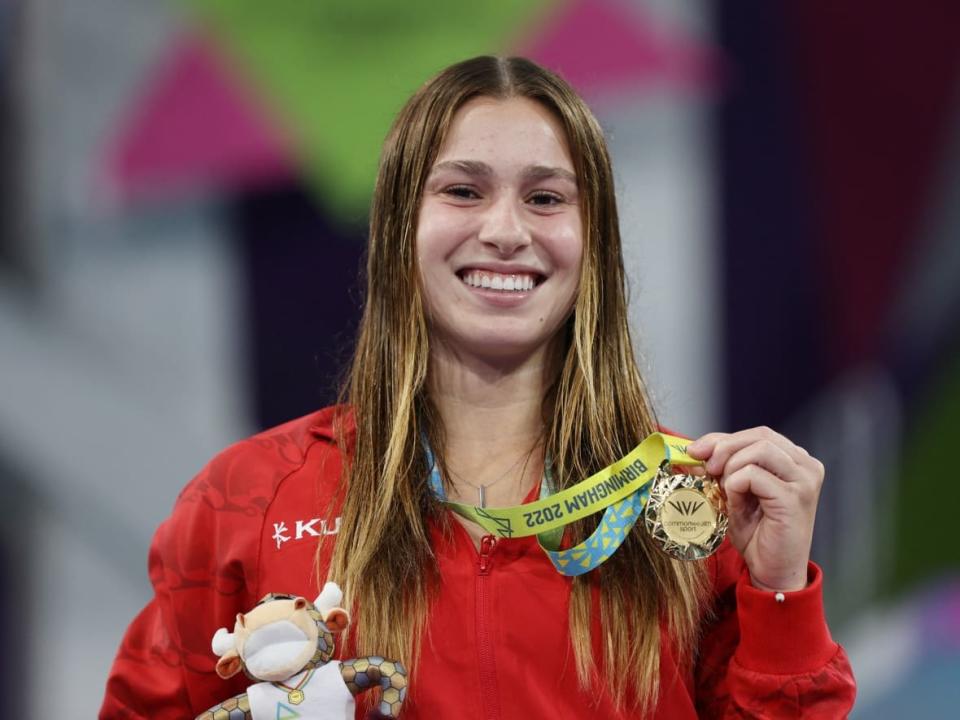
[336, 72]
[928, 507]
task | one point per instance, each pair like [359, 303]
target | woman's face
[499, 237]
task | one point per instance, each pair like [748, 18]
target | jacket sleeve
[760, 658]
[200, 564]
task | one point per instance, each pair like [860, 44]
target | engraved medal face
[684, 515]
[295, 697]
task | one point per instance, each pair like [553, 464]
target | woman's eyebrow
[470, 167]
[481, 169]
[545, 172]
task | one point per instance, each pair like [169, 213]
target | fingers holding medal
[772, 487]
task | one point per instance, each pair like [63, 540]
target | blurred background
[184, 202]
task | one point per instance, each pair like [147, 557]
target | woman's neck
[492, 415]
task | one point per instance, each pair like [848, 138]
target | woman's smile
[501, 282]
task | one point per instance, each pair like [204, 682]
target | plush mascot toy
[286, 643]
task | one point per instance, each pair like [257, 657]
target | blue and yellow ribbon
[620, 490]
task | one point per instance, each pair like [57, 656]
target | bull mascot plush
[286, 643]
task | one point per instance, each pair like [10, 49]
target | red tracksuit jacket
[498, 645]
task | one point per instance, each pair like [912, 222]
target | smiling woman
[494, 367]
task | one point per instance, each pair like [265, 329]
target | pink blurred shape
[599, 46]
[196, 126]
[941, 615]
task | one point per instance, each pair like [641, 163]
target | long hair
[595, 411]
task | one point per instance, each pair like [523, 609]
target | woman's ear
[336, 619]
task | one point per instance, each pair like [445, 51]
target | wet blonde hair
[595, 411]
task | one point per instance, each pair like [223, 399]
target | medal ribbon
[620, 490]
[295, 694]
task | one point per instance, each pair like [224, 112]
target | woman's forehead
[495, 132]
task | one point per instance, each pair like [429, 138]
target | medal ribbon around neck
[295, 694]
[620, 490]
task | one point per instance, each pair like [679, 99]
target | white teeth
[495, 281]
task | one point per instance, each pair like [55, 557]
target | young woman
[494, 356]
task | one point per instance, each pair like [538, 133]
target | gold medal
[295, 697]
[685, 515]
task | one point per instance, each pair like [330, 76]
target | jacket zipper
[489, 695]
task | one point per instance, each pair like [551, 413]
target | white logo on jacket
[315, 527]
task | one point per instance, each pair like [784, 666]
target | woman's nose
[503, 227]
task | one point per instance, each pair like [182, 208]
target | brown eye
[546, 198]
[461, 192]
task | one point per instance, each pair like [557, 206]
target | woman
[494, 352]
